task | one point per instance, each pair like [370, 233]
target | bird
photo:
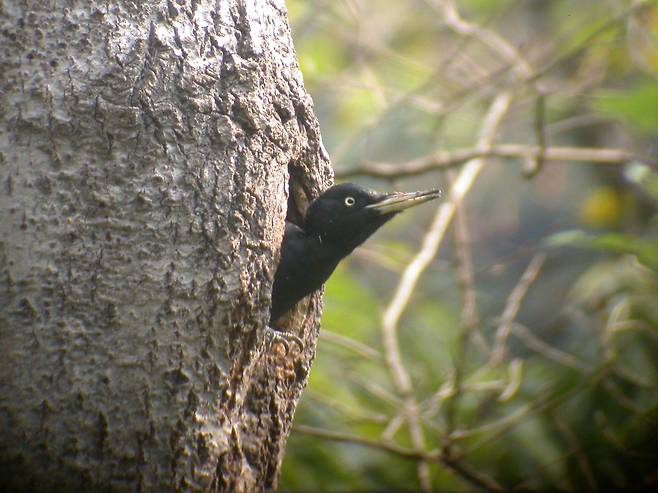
[335, 223]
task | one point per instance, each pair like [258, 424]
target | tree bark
[146, 154]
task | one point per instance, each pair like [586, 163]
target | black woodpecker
[337, 222]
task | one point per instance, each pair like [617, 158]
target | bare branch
[418, 441]
[451, 159]
[475, 479]
[391, 447]
[375, 390]
[470, 319]
[515, 373]
[351, 345]
[549, 398]
[448, 389]
[491, 39]
[512, 308]
[585, 42]
[535, 163]
[432, 241]
[546, 350]
[581, 458]
[518, 63]
[412, 273]
[466, 279]
[393, 427]
[345, 410]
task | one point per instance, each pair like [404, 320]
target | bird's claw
[284, 338]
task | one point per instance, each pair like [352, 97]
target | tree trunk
[146, 153]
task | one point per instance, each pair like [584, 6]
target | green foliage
[572, 401]
[644, 177]
[636, 106]
[349, 308]
[646, 251]
[484, 7]
[321, 57]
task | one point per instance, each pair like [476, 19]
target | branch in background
[548, 398]
[451, 159]
[546, 350]
[447, 390]
[533, 158]
[470, 319]
[393, 448]
[345, 410]
[393, 427]
[496, 43]
[524, 70]
[430, 245]
[412, 417]
[581, 456]
[473, 478]
[577, 49]
[351, 345]
[374, 389]
[536, 162]
[466, 279]
[512, 308]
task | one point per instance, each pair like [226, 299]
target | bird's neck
[330, 249]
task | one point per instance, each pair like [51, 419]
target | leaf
[636, 106]
[645, 250]
[644, 176]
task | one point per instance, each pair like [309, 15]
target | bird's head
[346, 215]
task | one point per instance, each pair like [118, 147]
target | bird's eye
[349, 201]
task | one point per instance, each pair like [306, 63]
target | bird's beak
[397, 202]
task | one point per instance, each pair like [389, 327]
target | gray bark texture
[147, 150]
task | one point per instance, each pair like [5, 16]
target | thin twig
[514, 378]
[342, 408]
[581, 458]
[545, 401]
[457, 157]
[585, 43]
[512, 308]
[621, 326]
[391, 447]
[524, 70]
[393, 427]
[470, 319]
[491, 39]
[466, 279]
[412, 273]
[352, 345]
[418, 440]
[409, 96]
[536, 162]
[480, 481]
[375, 390]
[473, 478]
[431, 243]
[527, 483]
[447, 390]
[622, 399]
[546, 350]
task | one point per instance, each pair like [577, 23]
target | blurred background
[507, 337]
